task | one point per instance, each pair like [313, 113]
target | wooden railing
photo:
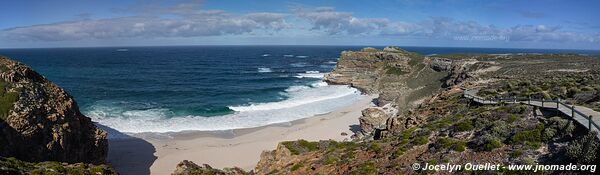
[568, 109]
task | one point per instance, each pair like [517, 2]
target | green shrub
[560, 126]
[463, 126]
[460, 146]
[7, 100]
[366, 168]
[375, 148]
[549, 133]
[330, 160]
[584, 149]
[500, 129]
[530, 137]
[400, 151]
[492, 144]
[300, 146]
[297, 166]
[395, 71]
[421, 140]
[512, 118]
[445, 143]
[516, 153]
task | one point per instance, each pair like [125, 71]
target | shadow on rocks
[127, 154]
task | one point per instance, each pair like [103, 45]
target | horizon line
[249, 45]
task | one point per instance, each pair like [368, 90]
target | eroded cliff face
[39, 121]
[398, 76]
[402, 79]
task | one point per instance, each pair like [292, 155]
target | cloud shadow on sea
[127, 154]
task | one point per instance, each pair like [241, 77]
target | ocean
[205, 88]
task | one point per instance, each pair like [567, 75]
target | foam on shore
[302, 102]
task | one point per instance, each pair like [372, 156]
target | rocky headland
[42, 129]
[422, 117]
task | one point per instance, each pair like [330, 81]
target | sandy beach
[160, 153]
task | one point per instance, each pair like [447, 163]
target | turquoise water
[165, 89]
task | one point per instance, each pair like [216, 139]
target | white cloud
[334, 22]
[188, 21]
[344, 23]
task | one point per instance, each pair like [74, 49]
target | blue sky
[444, 23]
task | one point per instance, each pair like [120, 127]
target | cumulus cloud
[334, 22]
[189, 21]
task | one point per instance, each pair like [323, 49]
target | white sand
[242, 148]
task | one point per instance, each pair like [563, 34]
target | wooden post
[590, 123]
[529, 100]
[573, 111]
[557, 107]
[543, 102]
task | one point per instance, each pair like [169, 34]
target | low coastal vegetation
[512, 134]
[580, 88]
[7, 99]
[14, 166]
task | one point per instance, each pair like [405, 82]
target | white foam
[296, 88]
[264, 69]
[311, 74]
[301, 103]
[319, 84]
[301, 56]
[301, 64]
[288, 55]
[266, 55]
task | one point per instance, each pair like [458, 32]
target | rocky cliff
[402, 79]
[39, 121]
[397, 75]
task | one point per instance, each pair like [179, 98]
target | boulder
[39, 121]
[372, 119]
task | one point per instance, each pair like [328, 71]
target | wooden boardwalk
[583, 115]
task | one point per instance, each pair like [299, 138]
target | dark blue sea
[168, 89]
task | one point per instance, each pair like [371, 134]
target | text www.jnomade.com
[497, 167]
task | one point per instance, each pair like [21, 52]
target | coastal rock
[362, 69]
[459, 72]
[273, 160]
[439, 64]
[39, 121]
[397, 76]
[372, 119]
[187, 167]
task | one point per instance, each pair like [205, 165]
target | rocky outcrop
[362, 69]
[187, 167]
[273, 160]
[39, 121]
[458, 70]
[399, 77]
[371, 120]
